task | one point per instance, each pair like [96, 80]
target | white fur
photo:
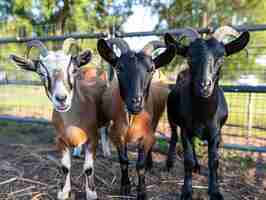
[58, 61]
[88, 157]
[157, 52]
[90, 195]
[117, 51]
[65, 161]
[105, 142]
[60, 90]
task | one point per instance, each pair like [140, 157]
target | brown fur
[80, 123]
[144, 124]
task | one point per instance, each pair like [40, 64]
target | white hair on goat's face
[57, 72]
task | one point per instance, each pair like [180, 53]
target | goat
[134, 104]
[76, 97]
[197, 104]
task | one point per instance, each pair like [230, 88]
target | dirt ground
[30, 171]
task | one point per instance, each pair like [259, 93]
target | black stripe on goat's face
[205, 58]
[134, 69]
[57, 71]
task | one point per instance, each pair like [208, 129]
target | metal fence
[247, 119]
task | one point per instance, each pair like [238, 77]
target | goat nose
[206, 83]
[137, 100]
[60, 98]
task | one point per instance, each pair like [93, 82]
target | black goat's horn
[37, 44]
[224, 31]
[191, 33]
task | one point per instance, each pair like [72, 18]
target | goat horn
[68, 46]
[38, 44]
[223, 31]
[151, 46]
[191, 33]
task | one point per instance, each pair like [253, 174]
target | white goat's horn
[151, 46]
[37, 44]
[223, 31]
[70, 46]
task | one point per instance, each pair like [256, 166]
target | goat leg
[141, 188]
[125, 182]
[144, 155]
[88, 170]
[197, 165]
[171, 156]
[149, 161]
[189, 164]
[65, 187]
[213, 163]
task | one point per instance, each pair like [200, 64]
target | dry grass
[31, 172]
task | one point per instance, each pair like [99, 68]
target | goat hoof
[216, 196]
[125, 190]
[142, 196]
[186, 195]
[91, 195]
[61, 195]
[169, 164]
[149, 165]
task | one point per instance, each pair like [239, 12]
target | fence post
[249, 116]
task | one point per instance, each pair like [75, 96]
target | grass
[32, 101]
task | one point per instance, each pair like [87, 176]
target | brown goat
[142, 127]
[76, 96]
[134, 104]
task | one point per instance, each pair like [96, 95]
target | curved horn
[70, 46]
[151, 46]
[223, 31]
[191, 33]
[37, 44]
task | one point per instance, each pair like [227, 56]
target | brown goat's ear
[24, 63]
[238, 44]
[84, 58]
[180, 49]
[166, 57]
[106, 52]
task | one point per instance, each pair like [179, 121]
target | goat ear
[24, 63]
[166, 57]
[106, 52]
[180, 49]
[84, 57]
[238, 44]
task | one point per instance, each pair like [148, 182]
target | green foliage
[203, 13]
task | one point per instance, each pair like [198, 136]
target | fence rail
[242, 99]
[251, 28]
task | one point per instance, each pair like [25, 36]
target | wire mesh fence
[22, 96]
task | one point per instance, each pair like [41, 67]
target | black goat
[197, 104]
[134, 103]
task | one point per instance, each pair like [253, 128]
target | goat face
[134, 70]
[57, 71]
[206, 56]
